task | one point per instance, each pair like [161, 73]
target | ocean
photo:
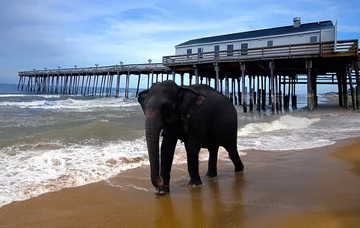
[50, 142]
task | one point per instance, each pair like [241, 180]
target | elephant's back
[213, 97]
[220, 113]
[215, 101]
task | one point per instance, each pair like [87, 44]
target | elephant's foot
[242, 171]
[239, 168]
[194, 183]
[211, 174]
[163, 190]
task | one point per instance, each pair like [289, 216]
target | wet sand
[308, 188]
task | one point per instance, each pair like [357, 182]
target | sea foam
[48, 167]
[286, 122]
[70, 104]
[29, 95]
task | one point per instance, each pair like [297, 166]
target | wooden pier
[249, 74]
[90, 81]
[256, 78]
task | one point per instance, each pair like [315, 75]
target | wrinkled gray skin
[199, 116]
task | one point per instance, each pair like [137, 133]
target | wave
[286, 122]
[34, 169]
[286, 133]
[29, 95]
[70, 104]
[299, 133]
[47, 167]
[284, 143]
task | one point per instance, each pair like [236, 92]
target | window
[200, 52]
[216, 51]
[230, 49]
[313, 39]
[244, 48]
[270, 43]
[188, 52]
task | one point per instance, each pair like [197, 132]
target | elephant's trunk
[153, 127]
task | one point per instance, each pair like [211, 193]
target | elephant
[199, 116]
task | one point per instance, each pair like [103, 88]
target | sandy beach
[308, 188]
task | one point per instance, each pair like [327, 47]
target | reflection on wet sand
[341, 204]
[326, 219]
[227, 208]
[351, 155]
[165, 215]
[217, 204]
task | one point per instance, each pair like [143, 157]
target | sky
[51, 33]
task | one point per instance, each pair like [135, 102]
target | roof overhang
[254, 38]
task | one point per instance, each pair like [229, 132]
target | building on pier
[297, 33]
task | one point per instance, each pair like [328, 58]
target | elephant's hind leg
[234, 156]
[192, 154]
[212, 164]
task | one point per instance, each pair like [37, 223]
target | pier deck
[284, 66]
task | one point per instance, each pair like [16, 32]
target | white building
[288, 35]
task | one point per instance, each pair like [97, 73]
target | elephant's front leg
[192, 153]
[167, 156]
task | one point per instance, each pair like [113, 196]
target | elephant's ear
[189, 100]
[142, 97]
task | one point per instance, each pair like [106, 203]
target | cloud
[49, 33]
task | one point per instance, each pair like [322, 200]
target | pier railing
[98, 70]
[320, 49]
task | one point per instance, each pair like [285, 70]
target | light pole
[121, 64]
[152, 73]
[75, 66]
[96, 65]
[35, 81]
[44, 81]
[57, 81]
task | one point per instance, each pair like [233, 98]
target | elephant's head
[165, 104]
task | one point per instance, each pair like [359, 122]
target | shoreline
[305, 188]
